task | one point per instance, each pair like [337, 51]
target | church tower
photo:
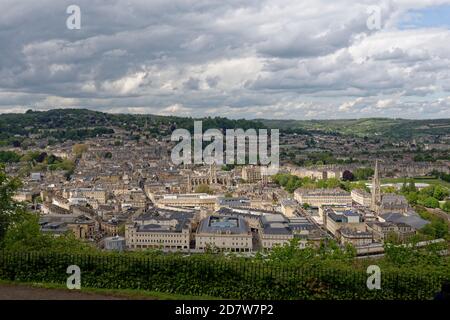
[212, 173]
[189, 183]
[376, 190]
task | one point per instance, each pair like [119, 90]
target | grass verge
[122, 293]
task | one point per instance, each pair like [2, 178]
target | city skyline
[245, 152]
[234, 118]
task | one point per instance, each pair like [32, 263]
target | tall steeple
[189, 183]
[212, 173]
[376, 190]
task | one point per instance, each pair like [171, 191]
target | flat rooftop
[223, 224]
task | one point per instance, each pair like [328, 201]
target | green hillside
[396, 128]
[79, 123]
[85, 123]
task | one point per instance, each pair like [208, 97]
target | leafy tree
[389, 189]
[283, 179]
[400, 255]
[329, 183]
[363, 173]
[9, 157]
[293, 183]
[428, 191]
[25, 235]
[440, 192]
[329, 249]
[121, 230]
[9, 210]
[52, 159]
[31, 156]
[79, 149]
[437, 228]
[20, 230]
[41, 157]
[289, 252]
[412, 186]
[442, 175]
[412, 197]
[408, 187]
[203, 188]
[359, 185]
[64, 165]
[107, 155]
[348, 176]
[431, 202]
[446, 206]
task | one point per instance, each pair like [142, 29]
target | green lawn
[429, 180]
[126, 293]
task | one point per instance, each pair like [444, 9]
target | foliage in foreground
[327, 272]
[10, 211]
[225, 277]
[25, 235]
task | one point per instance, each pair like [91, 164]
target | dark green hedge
[219, 277]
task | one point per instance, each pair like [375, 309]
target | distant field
[394, 128]
[429, 180]
[53, 121]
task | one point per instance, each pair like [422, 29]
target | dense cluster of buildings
[126, 195]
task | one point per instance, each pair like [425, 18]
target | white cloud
[126, 85]
[175, 110]
[281, 59]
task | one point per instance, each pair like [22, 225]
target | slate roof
[413, 219]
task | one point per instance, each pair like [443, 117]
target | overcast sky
[284, 59]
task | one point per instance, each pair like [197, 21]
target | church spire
[376, 189]
[212, 173]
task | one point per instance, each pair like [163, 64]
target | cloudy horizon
[283, 59]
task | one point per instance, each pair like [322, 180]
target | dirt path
[24, 292]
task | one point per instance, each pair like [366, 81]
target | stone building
[226, 233]
[275, 231]
[168, 230]
[289, 207]
[383, 230]
[361, 197]
[251, 173]
[320, 197]
[81, 226]
[190, 200]
[393, 203]
[354, 237]
[334, 220]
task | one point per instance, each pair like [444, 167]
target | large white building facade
[160, 229]
[320, 197]
[228, 233]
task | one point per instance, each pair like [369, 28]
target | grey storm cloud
[281, 59]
